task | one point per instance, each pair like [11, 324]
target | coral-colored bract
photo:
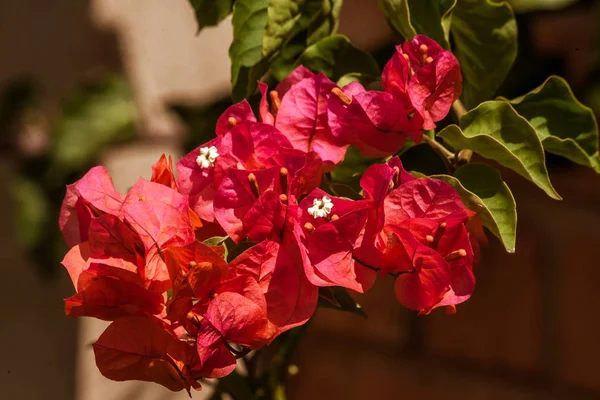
[181, 312]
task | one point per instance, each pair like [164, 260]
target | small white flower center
[207, 157]
[321, 207]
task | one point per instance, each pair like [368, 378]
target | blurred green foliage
[101, 112]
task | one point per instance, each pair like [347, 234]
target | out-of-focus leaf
[211, 12]
[246, 54]
[485, 37]
[564, 125]
[496, 131]
[33, 211]
[99, 114]
[398, 15]
[336, 57]
[338, 298]
[313, 20]
[482, 190]
[432, 18]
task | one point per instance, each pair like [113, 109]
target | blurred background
[119, 83]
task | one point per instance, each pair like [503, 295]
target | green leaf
[496, 131]
[215, 240]
[246, 54]
[398, 15]
[100, 113]
[427, 17]
[564, 125]
[294, 25]
[338, 298]
[336, 57]
[211, 12]
[432, 18]
[482, 190]
[485, 37]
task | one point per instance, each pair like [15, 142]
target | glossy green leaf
[432, 18]
[496, 131]
[485, 38]
[294, 25]
[398, 15]
[564, 125]
[246, 54]
[211, 12]
[482, 190]
[101, 113]
[336, 57]
[338, 298]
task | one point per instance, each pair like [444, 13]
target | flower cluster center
[321, 207]
[207, 157]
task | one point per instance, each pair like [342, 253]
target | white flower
[207, 157]
[321, 207]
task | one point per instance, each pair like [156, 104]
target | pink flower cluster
[181, 313]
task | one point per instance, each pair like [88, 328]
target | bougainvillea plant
[304, 199]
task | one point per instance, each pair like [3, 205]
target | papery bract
[162, 172]
[237, 314]
[236, 196]
[435, 80]
[234, 115]
[303, 117]
[108, 292]
[154, 356]
[279, 269]
[92, 195]
[376, 122]
[426, 274]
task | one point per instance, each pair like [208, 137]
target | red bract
[424, 275]
[414, 223]
[161, 218]
[91, 196]
[235, 115]
[238, 192]
[194, 270]
[330, 242]
[279, 267]
[378, 123]
[249, 145]
[254, 203]
[162, 172]
[237, 314]
[429, 75]
[109, 292]
[302, 116]
[156, 355]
